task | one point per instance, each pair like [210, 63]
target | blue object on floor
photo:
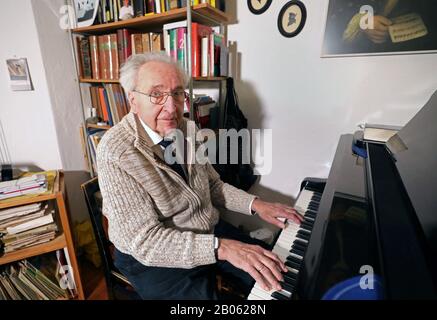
[350, 289]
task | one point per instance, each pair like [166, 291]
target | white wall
[27, 117]
[62, 82]
[309, 101]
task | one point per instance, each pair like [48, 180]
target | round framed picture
[292, 18]
[258, 6]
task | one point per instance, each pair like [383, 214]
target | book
[379, 133]
[407, 27]
[40, 221]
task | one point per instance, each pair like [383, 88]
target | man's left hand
[271, 212]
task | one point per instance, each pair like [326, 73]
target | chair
[119, 287]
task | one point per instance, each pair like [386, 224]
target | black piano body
[376, 225]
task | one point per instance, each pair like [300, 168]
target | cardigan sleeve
[226, 195]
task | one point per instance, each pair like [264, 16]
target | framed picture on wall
[376, 27]
[86, 11]
[258, 6]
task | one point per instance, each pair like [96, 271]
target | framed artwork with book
[377, 27]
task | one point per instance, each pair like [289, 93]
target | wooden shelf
[56, 244]
[203, 13]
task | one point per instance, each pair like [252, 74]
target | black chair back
[117, 284]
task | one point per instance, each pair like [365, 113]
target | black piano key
[316, 197]
[279, 296]
[306, 225]
[310, 211]
[297, 251]
[303, 236]
[287, 287]
[314, 203]
[295, 264]
[292, 264]
[310, 215]
[313, 207]
[301, 240]
[304, 232]
[298, 246]
[290, 281]
[289, 275]
[308, 220]
[294, 259]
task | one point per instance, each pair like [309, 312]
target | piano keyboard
[290, 247]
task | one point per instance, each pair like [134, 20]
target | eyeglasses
[160, 98]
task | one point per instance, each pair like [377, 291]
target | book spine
[95, 63]
[86, 58]
[195, 50]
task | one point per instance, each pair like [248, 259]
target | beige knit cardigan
[153, 214]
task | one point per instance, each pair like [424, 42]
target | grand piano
[370, 229]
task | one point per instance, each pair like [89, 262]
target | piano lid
[414, 149]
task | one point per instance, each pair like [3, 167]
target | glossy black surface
[379, 212]
[417, 166]
[408, 272]
[343, 238]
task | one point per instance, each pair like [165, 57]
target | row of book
[209, 52]
[110, 103]
[93, 140]
[116, 10]
[24, 281]
[100, 57]
[25, 226]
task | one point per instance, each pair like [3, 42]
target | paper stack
[25, 226]
[33, 184]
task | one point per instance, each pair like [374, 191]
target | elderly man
[163, 218]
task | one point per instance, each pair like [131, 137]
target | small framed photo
[86, 11]
[292, 18]
[258, 6]
[19, 75]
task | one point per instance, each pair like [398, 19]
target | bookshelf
[203, 13]
[63, 239]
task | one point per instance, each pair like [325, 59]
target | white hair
[129, 70]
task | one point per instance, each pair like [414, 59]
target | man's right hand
[379, 33]
[264, 266]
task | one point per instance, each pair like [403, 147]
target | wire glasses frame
[160, 98]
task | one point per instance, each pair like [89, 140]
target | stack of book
[33, 184]
[26, 226]
[25, 282]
